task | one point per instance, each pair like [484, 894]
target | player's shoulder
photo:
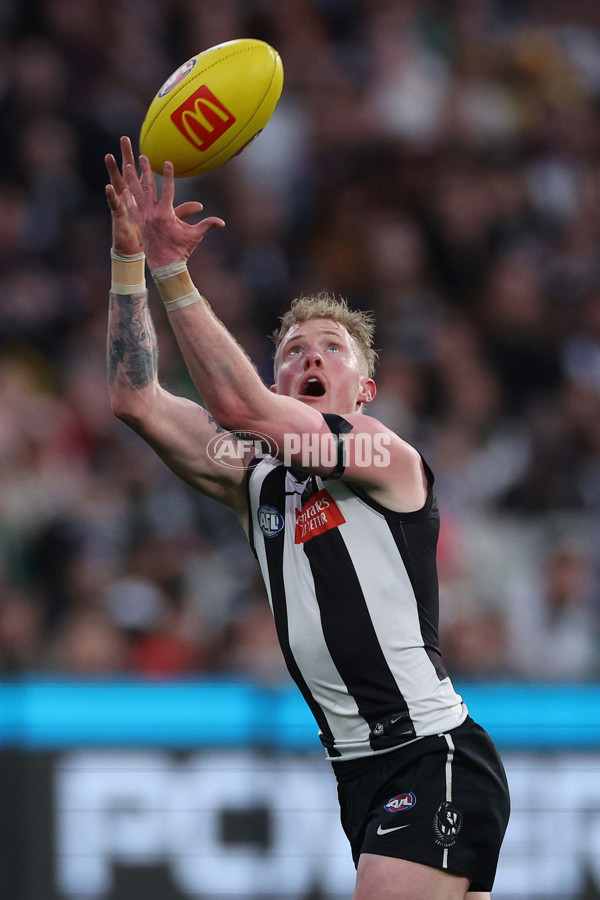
[362, 423]
[389, 469]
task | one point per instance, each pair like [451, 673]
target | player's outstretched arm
[224, 376]
[176, 428]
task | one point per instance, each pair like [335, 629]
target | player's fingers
[132, 182]
[131, 204]
[112, 198]
[207, 225]
[189, 208]
[168, 186]
[148, 181]
[114, 172]
[127, 151]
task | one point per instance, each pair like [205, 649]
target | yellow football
[212, 107]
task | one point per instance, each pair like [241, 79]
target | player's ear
[368, 391]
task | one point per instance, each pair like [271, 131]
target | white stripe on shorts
[449, 760]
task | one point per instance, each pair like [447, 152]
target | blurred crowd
[435, 162]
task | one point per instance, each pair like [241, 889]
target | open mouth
[313, 388]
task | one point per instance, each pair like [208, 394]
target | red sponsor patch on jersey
[318, 515]
[202, 118]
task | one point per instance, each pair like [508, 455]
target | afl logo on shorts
[401, 802]
[446, 825]
[270, 521]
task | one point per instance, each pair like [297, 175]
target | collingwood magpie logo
[446, 825]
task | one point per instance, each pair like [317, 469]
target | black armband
[339, 427]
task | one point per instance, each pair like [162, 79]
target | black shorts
[442, 801]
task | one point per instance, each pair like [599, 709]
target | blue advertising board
[46, 714]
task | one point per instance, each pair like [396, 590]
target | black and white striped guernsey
[354, 593]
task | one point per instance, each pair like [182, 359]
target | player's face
[319, 363]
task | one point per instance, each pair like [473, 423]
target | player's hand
[126, 235]
[166, 237]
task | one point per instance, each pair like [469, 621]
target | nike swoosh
[381, 830]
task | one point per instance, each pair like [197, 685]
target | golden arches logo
[202, 118]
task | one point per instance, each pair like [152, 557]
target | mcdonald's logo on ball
[202, 119]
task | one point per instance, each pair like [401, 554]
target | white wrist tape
[186, 300]
[126, 259]
[174, 268]
[125, 267]
[117, 288]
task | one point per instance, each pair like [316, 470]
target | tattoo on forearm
[219, 428]
[132, 348]
[213, 421]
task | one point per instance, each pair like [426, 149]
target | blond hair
[359, 325]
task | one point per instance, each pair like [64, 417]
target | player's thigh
[387, 878]
[477, 895]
